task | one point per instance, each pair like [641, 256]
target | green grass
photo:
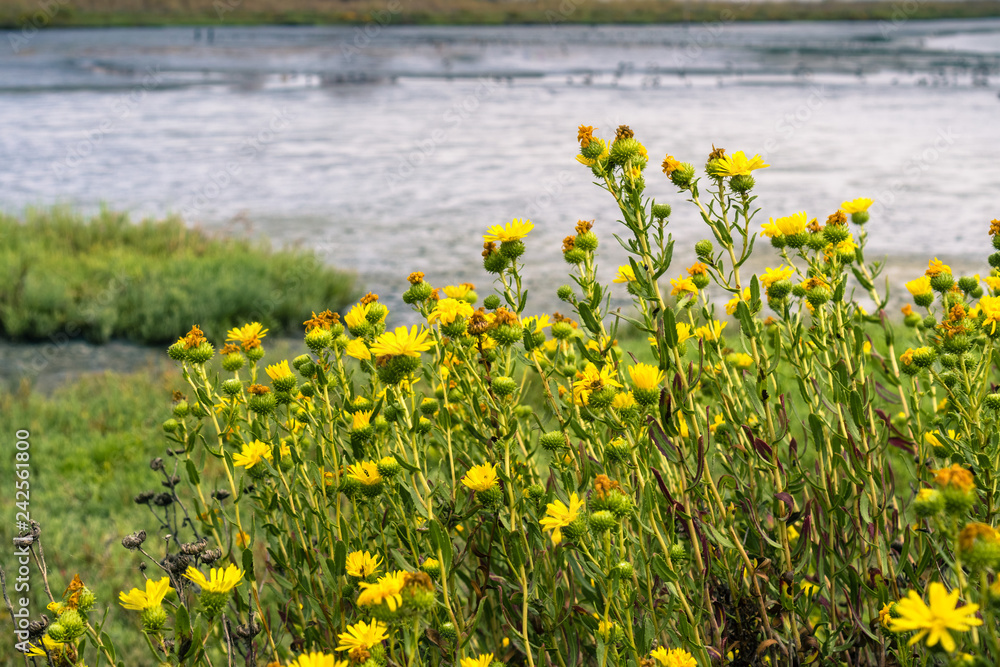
[149, 282]
[95, 13]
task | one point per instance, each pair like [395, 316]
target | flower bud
[432, 567]
[418, 293]
[928, 502]
[575, 256]
[317, 339]
[428, 406]
[535, 492]
[603, 521]
[504, 386]
[495, 262]
[448, 632]
[512, 249]
[912, 320]
[942, 282]
[232, 387]
[562, 330]
[492, 302]
[491, 498]
[679, 555]
[171, 426]
[817, 296]
[552, 441]
[835, 233]
[424, 426]
[682, 176]
[661, 211]
[177, 351]
[262, 404]
[624, 569]
[74, 625]
[994, 259]
[201, 354]
[704, 249]
[967, 284]
[992, 401]
[586, 241]
[742, 183]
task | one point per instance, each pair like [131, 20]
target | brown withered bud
[144, 497]
[171, 481]
[134, 540]
[248, 630]
[211, 555]
[220, 494]
[163, 500]
[24, 541]
[156, 464]
[194, 548]
[37, 628]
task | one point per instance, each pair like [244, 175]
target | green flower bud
[232, 387]
[602, 398]
[428, 406]
[318, 339]
[456, 328]
[704, 249]
[617, 451]
[505, 334]
[816, 241]
[171, 426]
[994, 259]
[491, 498]
[682, 176]
[418, 293]
[512, 249]
[992, 401]
[575, 256]
[448, 632]
[424, 426]
[661, 211]
[307, 389]
[86, 600]
[942, 282]
[624, 569]
[912, 320]
[924, 356]
[586, 241]
[300, 361]
[742, 183]
[817, 296]
[796, 240]
[778, 241]
[779, 290]
[536, 492]
[397, 369]
[859, 217]
[603, 521]
[255, 354]
[928, 503]
[679, 555]
[562, 330]
[504, 386]
[201, 354]
[263, 404]
[577, 529]
[177, 351]
[967, 284]
[74, 625]
[836, 233]
[233, 362]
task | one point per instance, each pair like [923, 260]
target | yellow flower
[590, 162]
[535, 323]
[739, 359]
[402, 342]
[885, 614]
[921, 285]
[218, 581]
[990, 308]
[362, 635]
[138, 600]
[279, 371]
[737, 164]
[716, 423]
[683, 285]
[458, 291]
[248, 335]
[591, 380]
[772, 276]
[364, 472]
[317, 660]
[931, 438]
[51, 646]
[252, 454]
[856, 205]
[558, 516]
[357, 349]
[670, 165]
[483, 660]
[936, 267]
[787, 226]
[625, 274]
[674, 657]
[734, 303]
[683, 332]
[361, 419]
[449, 310]
[645, 376]
[387, 589]
[993, 282]
[623, 401]
[682, 426]
[933, 621]
[512, 231]
[955, 476]
[357, 315]
[481, 478]
[711, 331]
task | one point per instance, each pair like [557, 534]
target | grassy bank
[148, 282]
[95, 13]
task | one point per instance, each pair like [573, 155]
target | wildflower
[595, 151]
[994, 227]
[458, 291]
[252, 454]
[591, 381]
[645, 376]
[138, 600]
[362, 636]
[248, 336]
[584, 135]
[559, 516]
[450, 309]
[934, 621]
[858, 205]
[683, 332]
[734, 303]
[936, 267]
[625, 274]
[711, 331]
[194, 338]
[402, 342]
[955, 477]
[324, 320]
[670, 165]
[512, 231]
[481, 478]
[387, 589]
[989, 306]
[772, 276]
[357, 316]
[739, 359]
[219, 580]
[683, 286]
[315, 659]
[623, 401]
[674, 657]
[357, 349]
[921, 285]
[737, 164]
[364, 472]
[484, 660]
[279, 371]
[535, 323]
[885, 614]
[931, 439]
[993, 282]
[697, 269]
[791, 225]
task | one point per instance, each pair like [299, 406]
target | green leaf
[442, 543]
[248, 564]
[339, 558]
[192, 472]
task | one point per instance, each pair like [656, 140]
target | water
[394, 152]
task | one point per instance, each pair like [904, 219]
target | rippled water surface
[393, 152]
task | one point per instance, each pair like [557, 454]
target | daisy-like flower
[481, 478]
[558, 516]
[361, 419]
[624, 401]
[787, 226]
[252, 454]
[387, 589]
[934, 621]
[645, 376]
[738, 164]
[772, 276]
[675, 657]
[364, 472]
[317, 660]
[139, 600]
[248, 335]
[591, 380]
[362, 635]
[53, 647]
[362, 564]
[458, 291]
[956, 477]
[512, 231]
[357, 349]
[921, 285]
[402, 342]
[279, 371]
[683, 332]
[856, 205]
[683, 285]
[218, 581]
[711, 331]
[989, 306]
[449, 310]
[670, 165]
[357, 315]
[484, 660]
[535, 323]
[734, 303]
[936, 267]
[625, 274]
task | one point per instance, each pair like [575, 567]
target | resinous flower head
[683, 286]
[362, 564]
[484, 660]
[625, 274]
[362, 636]
[448, 310]
[481, 478]
[364, 472]
[791, 225]
[512, 231]
[738, 164]
[592, 380]
[387, 589]
[248, 336]
[645, 376]
[139, 600]
[673, 658]
[317, 660]
[402, 342]
[219, 580]
[559, 516]
[252, 454]
[933, 621]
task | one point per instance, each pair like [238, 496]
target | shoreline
[27, 18]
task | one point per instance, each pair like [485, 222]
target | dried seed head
[144, 497]
[171, 481]
[220, 494]
[156, 464]
[163, 500]
[134, 540]
[248, 630]
[211, 556]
